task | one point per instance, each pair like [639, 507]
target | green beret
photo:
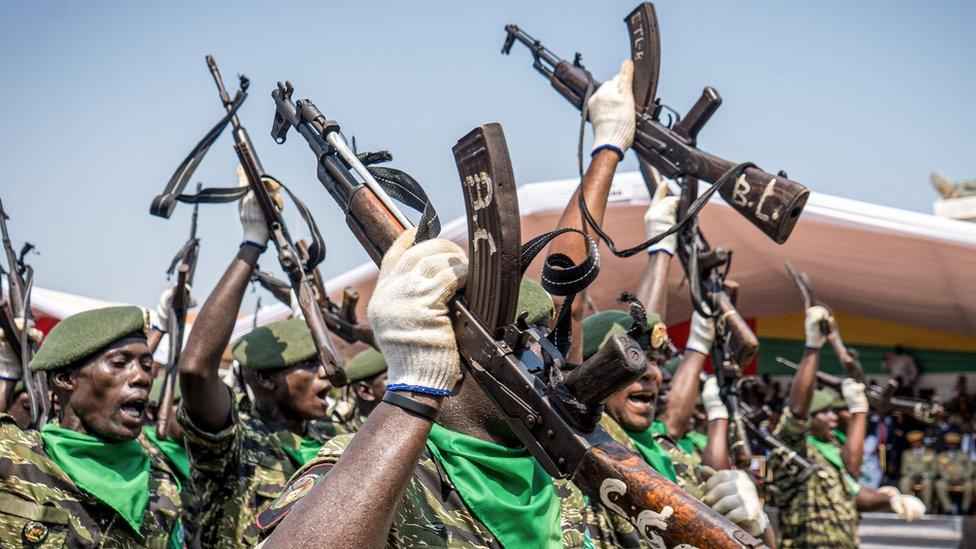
[276, 345]
[534, 300]
[84, 334]
[367, 364]
[822, 400]
[598, 328]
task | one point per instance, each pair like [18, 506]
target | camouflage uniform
[237, 471]
[433, 514]
[41, 506]
[821, 512]
[687, 467]
[918, 462]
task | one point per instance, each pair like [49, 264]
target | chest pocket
[26, 524]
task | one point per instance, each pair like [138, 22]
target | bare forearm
[6, 393]
[354, 505]
[596, 190]
[869, 499]
[804, 382]
[683, 393]
[853, 451]
[205, 397]
[716, 453]
[652, 290]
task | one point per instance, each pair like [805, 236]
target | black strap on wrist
[412, 406]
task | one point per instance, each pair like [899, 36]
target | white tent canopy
[863, 258]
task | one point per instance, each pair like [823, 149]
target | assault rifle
[184, 264]
[543, 406]
[772, 203]
[288, 255]
[16, 306]
[341, 319]
[881, 399]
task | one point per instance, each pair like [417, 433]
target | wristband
[412, 406]
[255, 244]
[609, 147]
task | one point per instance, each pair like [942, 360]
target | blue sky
[101, 101]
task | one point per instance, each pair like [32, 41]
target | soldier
[366, 373]
[470, 482]
[823, 511]
[955, 471]
[918, 466]
[89, 480]
[243, 451]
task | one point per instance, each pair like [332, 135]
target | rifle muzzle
[619, 363]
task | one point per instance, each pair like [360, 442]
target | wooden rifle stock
[506, 368]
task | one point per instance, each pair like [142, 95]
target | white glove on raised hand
[814, 333]
[10, 365]
[255, 228]
[159, 319]
[854, 396]
[733, 495]
[612, 111]
[908, 507]
[409, 316]
[701, 335]
[662, 214]
[712, 399]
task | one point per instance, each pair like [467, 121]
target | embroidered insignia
[34, 533]
[659, 334]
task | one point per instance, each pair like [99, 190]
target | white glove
[908, 507]
[732, 494]
[159, 319]
[10, 365]
[701, 335]
[712, 399]
[612, 110]
[815, 335]
[854, 396]
[662, 214]
[408, 313]
[255, 228]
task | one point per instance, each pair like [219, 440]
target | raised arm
[857, 428]
[613, 117]
[408, 313]
[684, 386]
[716, 454]
[805, 380]
[206, 399]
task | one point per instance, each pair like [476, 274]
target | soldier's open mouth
[134, 409]
[643, 397]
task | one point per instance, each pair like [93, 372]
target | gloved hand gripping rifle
[553, 413]
[770, 202]
[184, 264]
[16, 306]
[880, 399]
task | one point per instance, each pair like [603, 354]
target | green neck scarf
[505, 488]
[115, 473]
[840, 435]
[307, 449]
[692, 442]
[831, 452]
[653, 454]
[175, 454]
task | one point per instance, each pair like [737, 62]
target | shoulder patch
[295, 490]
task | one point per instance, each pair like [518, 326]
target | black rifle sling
[164, 203]
[404, 189]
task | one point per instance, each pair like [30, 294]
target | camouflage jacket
[239, 470]
[41, 506]
[821, 512]
[432, 513]
[687, 467]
